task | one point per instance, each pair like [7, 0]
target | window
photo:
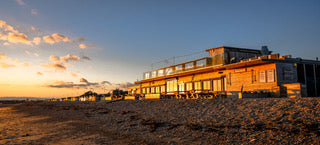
[189, 66]
[157, 90]
[201, 63]
[197, 87]
[206, 85]
[147, 90]
[152, 90]
[168, 70]
[154, 74]
[262, 76]
[144, 90]
[160, 72]
[178, 68]
[270, 75]
[217, 85]
[189, 86]
[163, 89]
[172, 86]
[181, 87]
[287, 74]
[146, 75]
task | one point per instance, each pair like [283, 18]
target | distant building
[231, 71]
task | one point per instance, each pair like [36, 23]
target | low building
[230, 71]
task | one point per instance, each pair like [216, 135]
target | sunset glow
[65, 48]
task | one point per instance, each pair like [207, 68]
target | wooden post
[315, 80]
[305, 77]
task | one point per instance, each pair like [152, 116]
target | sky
[60, 48]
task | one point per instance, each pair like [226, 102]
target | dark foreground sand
[219, 121]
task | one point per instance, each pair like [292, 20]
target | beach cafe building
[234, 72]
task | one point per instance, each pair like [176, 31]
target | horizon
[65, 48]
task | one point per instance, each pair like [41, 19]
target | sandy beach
[217, 121]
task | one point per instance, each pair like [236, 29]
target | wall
[247, 79]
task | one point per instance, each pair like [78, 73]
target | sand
[217, 121]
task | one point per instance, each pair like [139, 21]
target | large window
[188, 66]
[169, 70]
[270, 75]
[160, 72]
[201, 63]
[266, 76]
[178, 68]
[172, 86]
[181, 87]
[217, 85]
[189, 86]
[197, 87]
[146, 75]
[262, 76]
[154, 74]
[206, 85]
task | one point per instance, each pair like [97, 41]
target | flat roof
[234, 48]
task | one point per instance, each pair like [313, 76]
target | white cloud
[83, 46]
[39, 73]
[36, 54]
[18, 38]
[34, 12]
[55, 38]
[69, 57]
[6, 44]
[36, 40]
[20, 2]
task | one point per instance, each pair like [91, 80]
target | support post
[315, 80]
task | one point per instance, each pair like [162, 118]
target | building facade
[233, 72]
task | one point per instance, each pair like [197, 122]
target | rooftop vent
[265, 50]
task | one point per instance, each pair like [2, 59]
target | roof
[235, 48]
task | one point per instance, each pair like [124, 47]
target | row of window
[266, 76]
[173, 86]
[169, 70]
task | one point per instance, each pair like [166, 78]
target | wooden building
[233, 72]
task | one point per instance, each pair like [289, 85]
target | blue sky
[129, 35]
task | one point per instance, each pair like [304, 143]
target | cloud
[6, 44]
[36, 40]
[39, 73]
[2, 55]
[80, 39]
[56, 66]
[86, 57]
[83, 80]
[5, 65]
[54, 58]
[73, 74]
[63, 84]
[69, 57]
[18, 38]
[7, 28]
[34, 29]
[25, 64]
[4, 60]
[55, 38]
[106, 82]
[20, 2]
[34, 12]
[83, 46]
[36, 54]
